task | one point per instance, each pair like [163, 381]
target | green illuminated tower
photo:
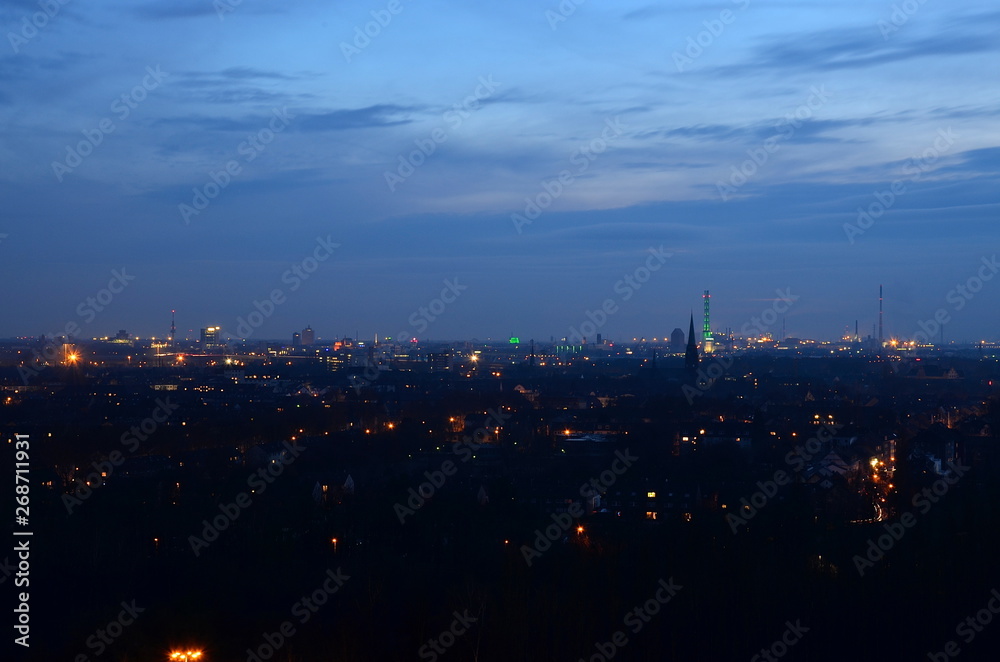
[707, 341]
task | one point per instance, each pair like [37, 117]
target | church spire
[691, 355]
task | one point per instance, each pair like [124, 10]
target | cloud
[249, 72]
[713, 131]
[202, 123]
[649, 11]
[379, 115]
[963, 112]
[175, 9]
[805, 131]
[851, 48]
[196, 8]
[984, 161]
[239, 85]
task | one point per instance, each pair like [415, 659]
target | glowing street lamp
[70, 355]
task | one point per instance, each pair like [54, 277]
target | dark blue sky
[741, 137]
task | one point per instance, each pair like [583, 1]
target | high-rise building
[210, 337]
[308, 336]
[296, 339]
[677, 341]
[439, 361]
[707, 341]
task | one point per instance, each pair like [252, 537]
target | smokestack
[880, 340]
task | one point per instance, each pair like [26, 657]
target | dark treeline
[142, 534]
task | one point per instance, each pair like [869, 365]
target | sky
[454, 170]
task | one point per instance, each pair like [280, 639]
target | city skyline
[770, 320]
